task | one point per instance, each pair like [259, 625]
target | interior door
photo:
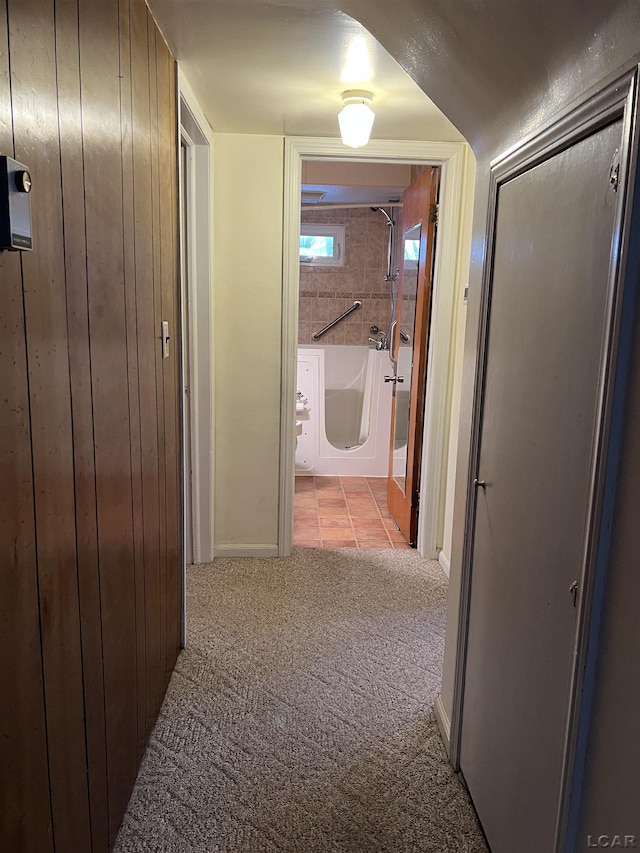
[547, 320]
[408, 349]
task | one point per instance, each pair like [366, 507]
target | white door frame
[197, 318]
[451, 156]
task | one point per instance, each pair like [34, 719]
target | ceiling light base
[356, 117]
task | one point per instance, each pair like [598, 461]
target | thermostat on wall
[15, 205]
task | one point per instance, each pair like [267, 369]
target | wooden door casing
[419, 203]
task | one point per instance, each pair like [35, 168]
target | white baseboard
[444, 724]
[445, 564]
[246, 551]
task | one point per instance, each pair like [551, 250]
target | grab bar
[392, 345]
[317, 335]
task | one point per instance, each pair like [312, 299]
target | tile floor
[344, 512]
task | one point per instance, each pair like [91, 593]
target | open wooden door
[409, 345]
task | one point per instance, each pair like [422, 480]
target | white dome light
[356, 117]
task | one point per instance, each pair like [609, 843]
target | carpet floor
[299, 717]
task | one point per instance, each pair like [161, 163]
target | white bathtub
[345, 409]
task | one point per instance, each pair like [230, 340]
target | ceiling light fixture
[356, 117]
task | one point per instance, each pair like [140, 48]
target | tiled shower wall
[326, 293]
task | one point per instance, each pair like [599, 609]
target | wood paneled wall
[90, 499]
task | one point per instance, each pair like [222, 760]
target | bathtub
[345, 408]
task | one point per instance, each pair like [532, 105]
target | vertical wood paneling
[72, 174]
[128, 221]
[36, 144]
[23, 768]
[168, 148]
[89, 415]
[147, 344]
[99, 64]
[158, 572]
[160, 109]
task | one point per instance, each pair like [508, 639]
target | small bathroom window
[321, 245]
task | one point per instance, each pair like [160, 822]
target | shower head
[384, 213]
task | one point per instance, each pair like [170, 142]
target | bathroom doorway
[350, 265]
[365, 491]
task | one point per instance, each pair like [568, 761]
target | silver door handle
[479, 484]
[165, 339]
[573, 592]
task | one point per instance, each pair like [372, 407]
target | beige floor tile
[306, 533]
[304, 499]
[364, 512]
[369, 524]
[304, 484]
[324, 500]
[335, 533]
[371, 536]
[306, 513]
[335, 521]
[322, 483]
[332, 511]
[396, 536]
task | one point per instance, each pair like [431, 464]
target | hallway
[299, 718]
[149, 364]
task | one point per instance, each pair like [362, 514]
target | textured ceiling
[280, 67]
[498, 69]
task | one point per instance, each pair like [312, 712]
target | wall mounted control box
[15, 205]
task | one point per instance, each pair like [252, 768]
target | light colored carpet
[299, 718]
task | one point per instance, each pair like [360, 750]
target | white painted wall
[197, 323]
[248, 200]
[248, 180]
[455, 387]
[444, 703]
